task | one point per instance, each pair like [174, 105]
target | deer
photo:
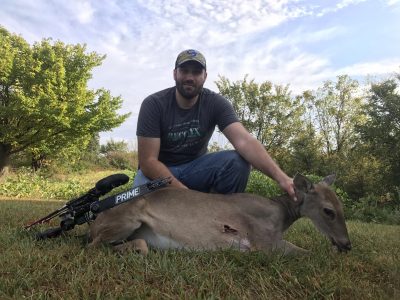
[176, 218]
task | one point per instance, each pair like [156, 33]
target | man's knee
[233, 177]
[237, 162]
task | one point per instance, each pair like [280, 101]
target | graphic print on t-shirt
[185, 134]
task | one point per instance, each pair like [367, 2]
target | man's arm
[152, 168]
[254, 152]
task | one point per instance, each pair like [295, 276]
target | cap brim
[194, 60]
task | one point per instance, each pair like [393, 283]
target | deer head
[320, 203]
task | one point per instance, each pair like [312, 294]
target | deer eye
[330, 213]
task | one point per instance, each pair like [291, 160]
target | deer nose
[347, 246]
[344, 247]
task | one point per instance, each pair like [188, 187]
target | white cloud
[344, 3]
[392, 2]
[84, 11]
[383, 67]
[338, 6]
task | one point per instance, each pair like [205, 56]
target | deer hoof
[139, 246]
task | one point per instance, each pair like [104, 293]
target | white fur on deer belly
[162, 242]
[241, 244]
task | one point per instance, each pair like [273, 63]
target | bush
[122, 160]
[262, 185]
[374, 209]
[41, 185]
[28, 184]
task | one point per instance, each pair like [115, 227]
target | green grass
[63, 268]
[28, 184]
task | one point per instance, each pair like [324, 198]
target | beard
[188, 90]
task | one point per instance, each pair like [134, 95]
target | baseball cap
[190, 55]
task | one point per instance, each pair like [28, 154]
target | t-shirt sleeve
[224, 112]
[148, 124]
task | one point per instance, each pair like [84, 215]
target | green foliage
[334, 129]
[92, 151]
[266, 110]
[42, 185]
[374, 209]
[64, 269]
[305, 153]
[335, 109]
[83, 165]
[381, 132]
[34, 185]
[119, 156]
[262, 185]
[362, 174]
[114, 146]
[46, 107]
[122, 160]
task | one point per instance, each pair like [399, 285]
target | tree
[335, 110]
[45, 103]
[118, 155]
[381, 131]
[266, 110]
[114, 146]
[306, 152]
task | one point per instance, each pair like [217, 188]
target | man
[175, 126]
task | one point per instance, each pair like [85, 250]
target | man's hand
[288, 185]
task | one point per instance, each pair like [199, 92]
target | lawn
[63, 268]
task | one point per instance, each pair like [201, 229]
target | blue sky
[301, 43]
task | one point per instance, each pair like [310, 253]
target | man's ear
[175, 70]
[302, 183]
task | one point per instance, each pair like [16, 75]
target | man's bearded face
[189, 79]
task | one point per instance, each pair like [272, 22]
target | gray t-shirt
[184, 133]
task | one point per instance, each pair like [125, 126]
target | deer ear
[329, 180]
[302, 183]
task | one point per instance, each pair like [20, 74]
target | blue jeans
[223, 172]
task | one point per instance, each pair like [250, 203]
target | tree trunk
[4, 158]
[38, 161]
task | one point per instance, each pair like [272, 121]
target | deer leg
[112, 232]
[288, 248]
[139, 246]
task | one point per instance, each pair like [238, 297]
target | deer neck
[289, 208]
